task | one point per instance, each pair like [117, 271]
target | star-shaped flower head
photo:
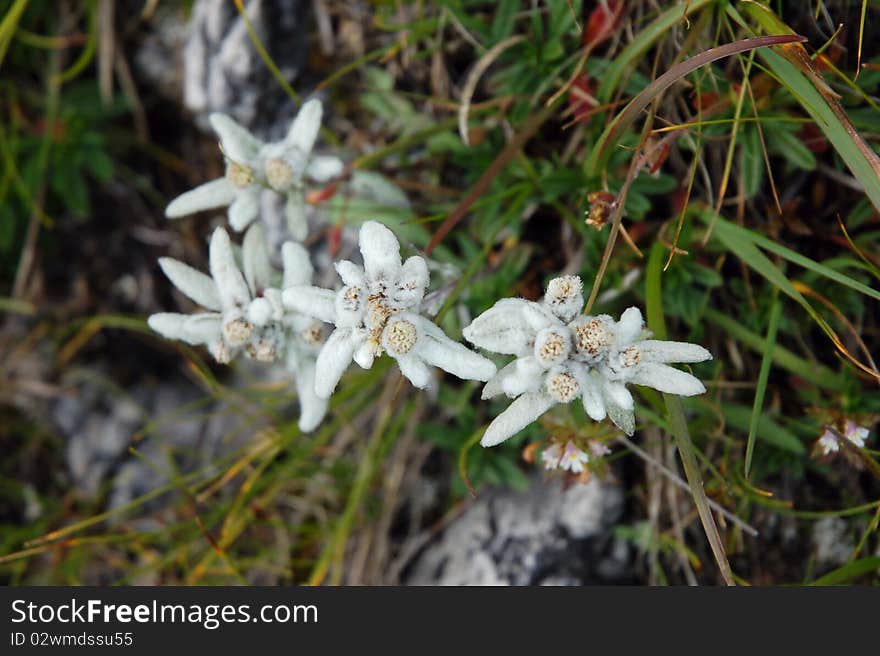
[245, 313]
[376, 311]
[285, 166]
[562, 355]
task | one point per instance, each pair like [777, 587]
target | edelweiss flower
[376, 311]
[252, 166]
[245, 312]
[852, 431]
[562, 355]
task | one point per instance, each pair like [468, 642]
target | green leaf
[772, 327]
[787, 144]
[740, 417]
[736, 234]
[505, 16]
[850, 572]
[656, 322]
[751, 161]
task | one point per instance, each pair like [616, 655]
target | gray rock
[543, 536]
[223, 72]
[832, 541]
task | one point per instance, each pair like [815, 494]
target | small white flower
[573, 459]
[252, 166]
[598, 449]
[561, 355]
[828, 443]
[376, 311]
[245, 312]
[856, 434]
[551, 456]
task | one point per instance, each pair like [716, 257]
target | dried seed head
[378, 312]
[631, 356]
[592, 336]
[263, 350]
[601, 204]
[350, 298]
[564, 288]
[240, 175]
[562, 386]
[313, 335]
[237, 331]
[399, 337]
[552, 346]
[279, 173]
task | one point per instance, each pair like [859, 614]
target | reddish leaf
[602, 22]
[581, 99]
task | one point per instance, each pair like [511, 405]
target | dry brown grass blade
[473, 78]
[871, 368]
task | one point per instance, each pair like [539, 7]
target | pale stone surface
[543, 536]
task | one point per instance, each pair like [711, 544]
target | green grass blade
[819, 374]
[797, 73]
[645, 38]
[656, 322]
[772, 327]
[9, 25]
[850, 571]
[796, 258]
[602, 151]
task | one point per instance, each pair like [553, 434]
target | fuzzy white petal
[295, 214]
[519, 414]
[323, 168]
[255, 259]
[365, 355]
[520, 376]
[666, 379]
[630, 326]
[457, 359]
[373, 186]
[311, 301]
[304, 129]
[245, 208]
[416, 371]
[193, 329]
[510, 326]
[312, 408]
[216, 193]
[231, 286]
[616, 393]
[351, 274]
[239, 145]
[654, 350]
[412, 282]
[298, 269]
[195, 284]
[333, 360]
[594, 406]
[381, 251]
